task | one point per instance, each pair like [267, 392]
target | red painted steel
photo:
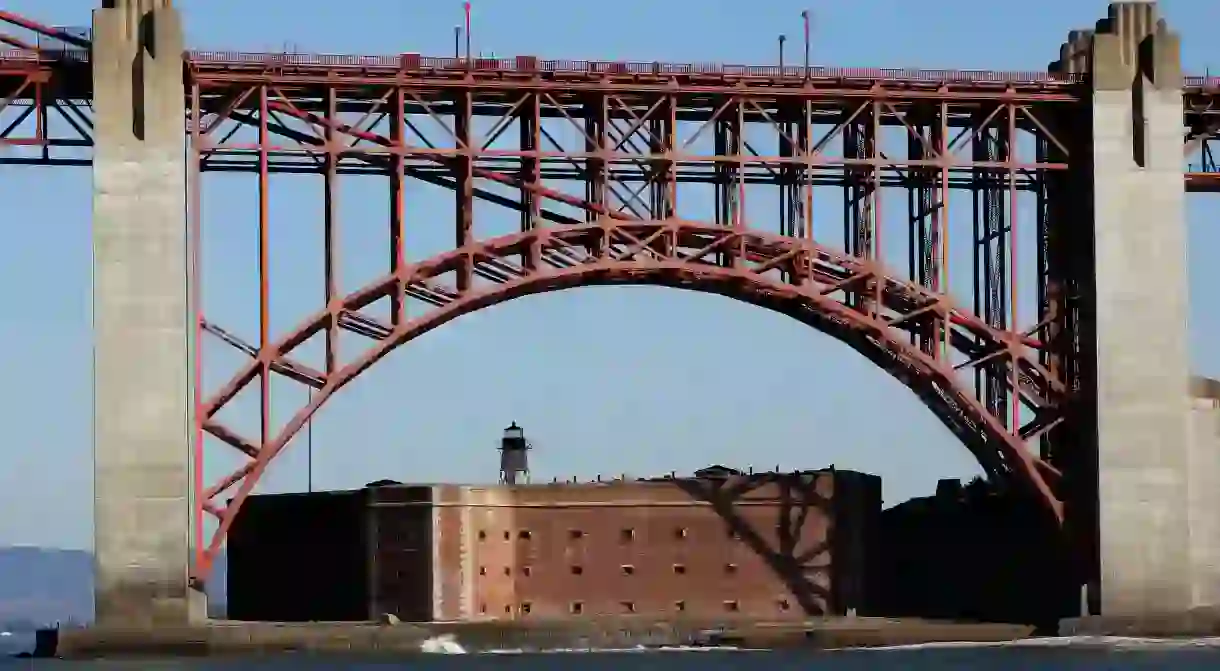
[1000, 380]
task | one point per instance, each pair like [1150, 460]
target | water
[925, 659]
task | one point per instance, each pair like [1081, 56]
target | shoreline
[229, 639]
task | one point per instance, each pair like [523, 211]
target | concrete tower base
[1152, 466]
[142, 320]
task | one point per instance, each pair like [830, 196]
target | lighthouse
[514, 456]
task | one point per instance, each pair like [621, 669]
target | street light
[782, 39]
[805, 17]
[457, 41]
[466, 7]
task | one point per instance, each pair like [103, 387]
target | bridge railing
[53, 49]
[49, 43]
[530, 64]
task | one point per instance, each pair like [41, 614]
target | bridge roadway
[1155, 519]
[64, 59]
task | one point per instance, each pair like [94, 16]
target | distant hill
[45, 585]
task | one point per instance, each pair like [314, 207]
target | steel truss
[984, 371]
[1202, 127]
[41, 122]
[998, 379]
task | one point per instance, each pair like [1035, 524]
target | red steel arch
[906, 329]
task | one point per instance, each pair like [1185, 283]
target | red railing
[529, 64]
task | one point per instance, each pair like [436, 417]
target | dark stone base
[1201, 623]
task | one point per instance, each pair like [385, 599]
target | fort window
[629, 606]
[482, 535]
[508, 608]
[482, 570]
[482, 608]
[731, 606]
[578, 570]
[628, 569]
[526, 607]
[784, 605]
[680, 533]
[680, 569]
[575, 534]
[627, 535]
[524, 534]
[576, 607]
[730, 568]
[680, 606]
[507, 535]
[525, 570]
[508, 571]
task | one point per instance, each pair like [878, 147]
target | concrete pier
[1143, 367]
[142, 319]
[1204, 495]
[1138, 323]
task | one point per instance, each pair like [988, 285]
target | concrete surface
[1144, 424]
[1204, 495]
[142, 319]
[1193, 623]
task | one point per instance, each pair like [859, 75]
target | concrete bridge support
[1204, 494]
[1149, 550]
[142, 320]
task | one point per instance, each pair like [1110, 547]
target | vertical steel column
[1011, 158]
[662, 132]
[1067, 233]
[330, 232]
[398, 206]
[597, 118]
[1046, 311]
[787, 175]
[922, 212]
[874, 201]
[195, 227]
[942, 223]
[529, 122]
[807, 150]
[722, 197]
[671, 145]
[990, 256]
[1065, 263]
[264, 269]
[861, 178]
[464, 191]
[41, 121]
[739, 164]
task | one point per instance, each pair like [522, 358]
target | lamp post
[805, 18]
[782, 39]
[457, 41]
[466, 7]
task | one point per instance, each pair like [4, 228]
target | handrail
[533, 65]
[530, 64]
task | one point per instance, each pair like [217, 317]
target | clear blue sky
[701, 380]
